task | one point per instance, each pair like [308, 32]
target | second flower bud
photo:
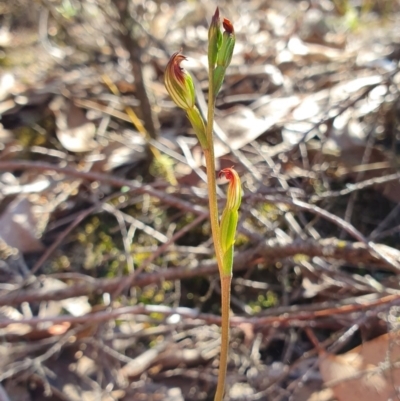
[179, 83]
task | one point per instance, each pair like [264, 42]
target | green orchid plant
[180, 87]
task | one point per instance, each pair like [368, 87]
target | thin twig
[271, 250]
[106, 179]
[290, 317]
[3, 394]
[376, 181]
[350, 229]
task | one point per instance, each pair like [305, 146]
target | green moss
[264, 301]
[299, 257]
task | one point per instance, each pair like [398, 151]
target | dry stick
[338, 343]
[106, 179]
[327, 118]
[350, 229]
[270, 250]
[139, 126]
[126, 238]
[161, 249]
[173, 201]
[118, 182]
[129, 280]
[287, 318]
[19, 366]
[284, 184]
[298, 383]
[357, 186]
[343, 108]
[82, 215]
[131, 45]
[3, 394]
[379, 230]
[360, 175]
[290, 318]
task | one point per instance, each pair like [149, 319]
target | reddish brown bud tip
[228, 173]
[214, 39]
[227, 26]
[179, 84]
[175, 66]
[234, 194]
[216, 15]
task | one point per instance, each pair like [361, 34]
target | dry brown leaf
[241, 126]
[19, 226]
[75, 132]
[366, 373]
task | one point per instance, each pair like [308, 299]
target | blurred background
[108, 285]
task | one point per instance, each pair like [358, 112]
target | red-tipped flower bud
[228, 43]
[234, 194]
[230, 217]
[224, 55]
[179, 83]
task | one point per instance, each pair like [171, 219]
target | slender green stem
[212, 199]
[223, 360]
[215, 228]
[210, 167]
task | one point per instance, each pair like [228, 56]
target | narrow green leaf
[198, 125]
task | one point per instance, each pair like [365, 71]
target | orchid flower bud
[234, 195]
[224, 54]
[214, 39]
[228, 43]
[230, 217]
[179, 83]
[180, 86]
